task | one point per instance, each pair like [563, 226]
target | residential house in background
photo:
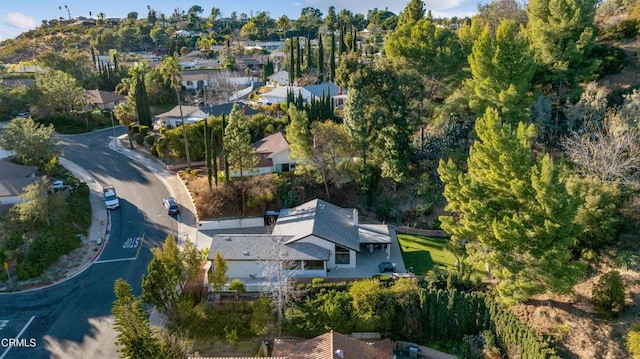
[13, 179]
[104, 99]
[274, 154]
[280, 78]
[225, 109]
[174, 117]
[308, 93]
[197, 60]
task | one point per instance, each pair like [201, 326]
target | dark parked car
[387, 267]
[171, 205]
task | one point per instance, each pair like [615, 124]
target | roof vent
[246, 253]
[340, 353]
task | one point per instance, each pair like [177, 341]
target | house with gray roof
[13, 179]
[312, 239]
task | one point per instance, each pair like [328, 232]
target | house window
[189, 83]
[284, 167]
[313, 265]
[342, 255]
[292, 265]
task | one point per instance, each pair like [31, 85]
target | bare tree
[609, 153]
[279, 272]
[222, 86]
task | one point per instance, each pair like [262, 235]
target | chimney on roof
[355, 217]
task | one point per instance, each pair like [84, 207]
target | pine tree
[502, 71]
[413, 12]
[514, 210]
[130, 321]
[241, 155]
[562, 34]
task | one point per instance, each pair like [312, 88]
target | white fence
[231, 223]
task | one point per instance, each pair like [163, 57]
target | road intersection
[72, 318]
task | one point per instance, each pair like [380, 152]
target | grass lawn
[424, 253]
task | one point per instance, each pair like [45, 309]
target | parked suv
[171, 205]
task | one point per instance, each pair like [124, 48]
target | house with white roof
[280, 78]
[312, 239]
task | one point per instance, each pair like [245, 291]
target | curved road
[73, 319]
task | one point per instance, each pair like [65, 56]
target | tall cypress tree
[309, 59]
[320, 58]
[342, 47]
[292, 67]
[332, 59]
[142, 101]
[298, 58]
[207, 154]
[224, 152]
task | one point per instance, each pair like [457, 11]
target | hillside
[32, 44]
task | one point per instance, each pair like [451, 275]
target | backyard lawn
[424, 253]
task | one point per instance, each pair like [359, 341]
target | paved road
[73, 319]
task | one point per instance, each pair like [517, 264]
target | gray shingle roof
[9, 169]
[235, 247]
[321, 219]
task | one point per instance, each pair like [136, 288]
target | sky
[17, 16]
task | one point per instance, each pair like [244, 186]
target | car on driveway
[387, 267]
[171, 205]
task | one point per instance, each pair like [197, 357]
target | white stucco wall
[280, 158]
[331, 263]
[243, 269]
[230, 223]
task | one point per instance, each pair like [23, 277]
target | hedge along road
[72, 319]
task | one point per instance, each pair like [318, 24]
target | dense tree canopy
[501, 70]
[513, 210]
[33, 142]
[562, 34]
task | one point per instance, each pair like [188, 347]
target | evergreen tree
[413, 12]
[513, 211]
[320, 58]
[298, 58]
[562, 35]
[332, 59]
[131, 323]
[292, 63]
[219, 275]
[241, 154]
[224, 152]
[501, 70]
[309, 58]
[143, 108]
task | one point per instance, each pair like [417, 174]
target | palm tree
[172, 74]
[283, 24]
[126, 114]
